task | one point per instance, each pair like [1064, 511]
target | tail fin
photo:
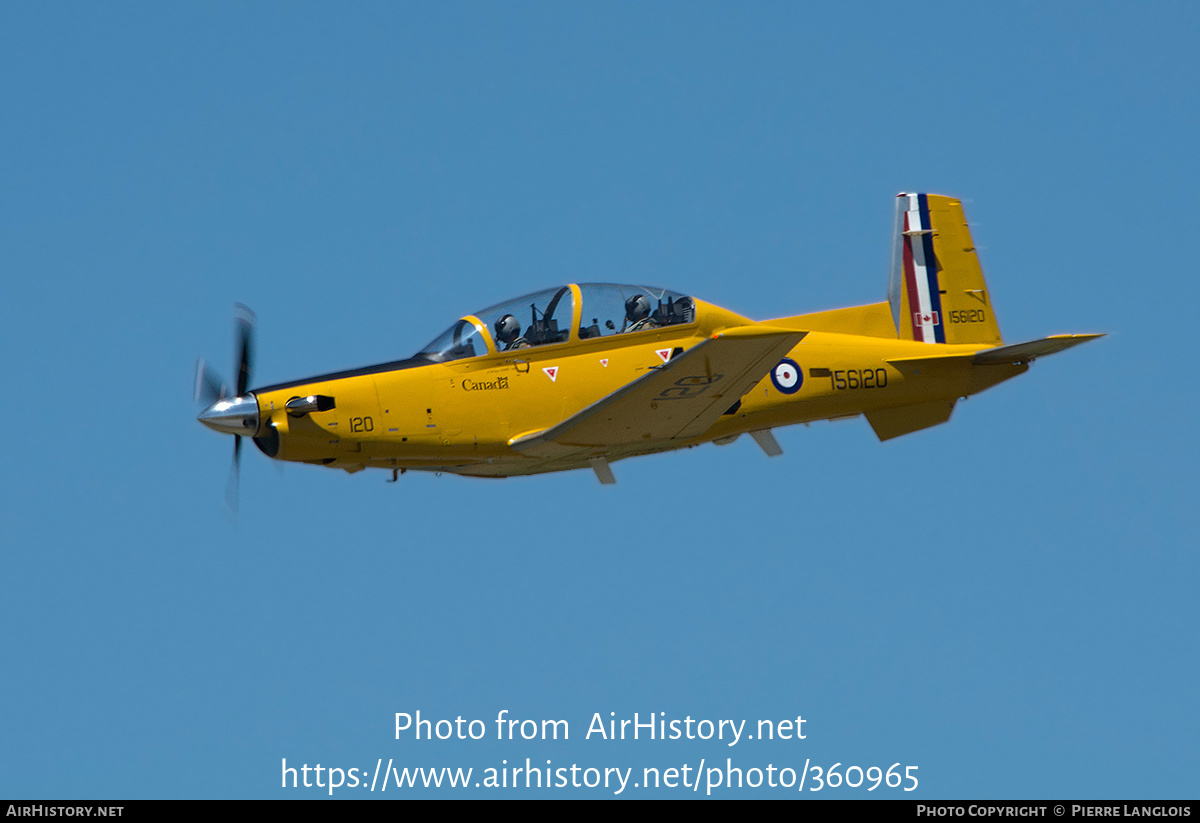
[937, 292]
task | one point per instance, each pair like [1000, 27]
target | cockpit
[549, 316]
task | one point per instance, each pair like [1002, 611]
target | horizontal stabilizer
[1025, 352]
[1001, 355]
[907, 364]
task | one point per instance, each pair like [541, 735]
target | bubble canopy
[548, 317]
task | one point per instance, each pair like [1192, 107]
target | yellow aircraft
[586, 374]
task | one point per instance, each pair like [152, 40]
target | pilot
[637, 314]
[508, 334]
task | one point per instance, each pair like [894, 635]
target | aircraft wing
[677, 400]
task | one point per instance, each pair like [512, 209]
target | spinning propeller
[236, 415]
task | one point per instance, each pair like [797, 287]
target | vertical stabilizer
[936, 290]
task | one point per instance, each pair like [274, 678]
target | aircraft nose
[232, 415]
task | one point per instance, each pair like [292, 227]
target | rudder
[936, 290]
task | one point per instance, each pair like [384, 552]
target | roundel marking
[787, 376]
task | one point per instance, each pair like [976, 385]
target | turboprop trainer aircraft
[582, 375]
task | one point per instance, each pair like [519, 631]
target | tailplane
[937, 292]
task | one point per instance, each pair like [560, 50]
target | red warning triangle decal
[664, 354]
[551, 372]
[604, 362]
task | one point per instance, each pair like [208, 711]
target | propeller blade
[244, 323]
[209, 386]
[210, 389]
[235, 467]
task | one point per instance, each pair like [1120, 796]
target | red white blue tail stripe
[920, 272]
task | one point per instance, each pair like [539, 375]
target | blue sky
[1020, 624]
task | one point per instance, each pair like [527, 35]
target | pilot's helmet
[637, 308]
[507, 329]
